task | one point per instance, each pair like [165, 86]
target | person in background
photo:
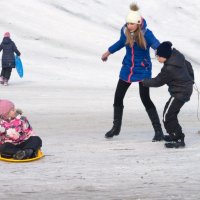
[136, 66]
[8, 58]
[17, 139]
[178, 74]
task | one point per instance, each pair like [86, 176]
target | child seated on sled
[17, 139]
[178, 74]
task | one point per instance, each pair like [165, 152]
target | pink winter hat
[5, 107]
[6, 34]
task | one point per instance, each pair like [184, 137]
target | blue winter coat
[137, 62]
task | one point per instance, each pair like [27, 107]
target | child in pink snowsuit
[17, 139]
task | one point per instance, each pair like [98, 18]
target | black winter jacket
[8, 47]
[178, 74]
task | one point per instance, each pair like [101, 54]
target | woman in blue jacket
[136, 66]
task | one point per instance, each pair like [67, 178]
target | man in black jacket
[8, 58]
[178, 74]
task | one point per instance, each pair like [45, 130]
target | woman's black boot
[118, 112]
[153, 115]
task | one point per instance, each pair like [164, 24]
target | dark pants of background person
[9, 149]
[6, 72]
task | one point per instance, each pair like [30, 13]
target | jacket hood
[6, 40]
[176, 59]
[144, 24]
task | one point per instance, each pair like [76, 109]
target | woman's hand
[105, 56]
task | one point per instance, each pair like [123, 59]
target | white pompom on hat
[134, 15]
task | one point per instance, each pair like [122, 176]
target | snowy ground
[81, 164]
[71, 108]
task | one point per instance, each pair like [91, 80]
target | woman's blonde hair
[137, 37]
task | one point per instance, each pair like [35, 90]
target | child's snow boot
[176, 143]
[23, 154]
[167, 138]
[153, 115]
[118, 112]
[5, 155]
[19, 155]
[29, 153]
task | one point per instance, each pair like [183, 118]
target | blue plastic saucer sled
[39, 155]
[19, 66]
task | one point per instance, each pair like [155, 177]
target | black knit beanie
[164, 50]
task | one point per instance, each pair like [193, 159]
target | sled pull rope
[197, 90]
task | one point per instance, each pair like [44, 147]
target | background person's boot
[1, 80]
[118, 112]
[5, 83]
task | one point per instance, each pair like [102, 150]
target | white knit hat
[134, 15]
